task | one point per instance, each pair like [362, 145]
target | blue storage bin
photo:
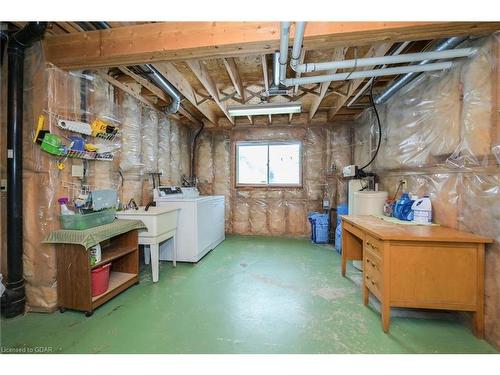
[320, 224]
[321, 233]
[342, 209]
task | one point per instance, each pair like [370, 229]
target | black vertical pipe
[14, 296]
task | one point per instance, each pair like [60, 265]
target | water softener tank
[369, 202]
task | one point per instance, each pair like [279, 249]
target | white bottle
[422, 210]
[64, 209]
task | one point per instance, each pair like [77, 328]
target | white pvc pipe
[383, 60]
[297, 43]
[367, 84]
[284, 35]
[367, 73]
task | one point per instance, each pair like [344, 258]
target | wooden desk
[430, 267]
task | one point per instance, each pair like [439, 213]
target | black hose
[372, 102]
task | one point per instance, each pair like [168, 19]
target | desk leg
[366, 294]
[478, 324]
[386, 315]
[478, 315]
[344, 252]
[155, 261]
[174, 251]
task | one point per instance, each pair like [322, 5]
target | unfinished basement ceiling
[320, 103]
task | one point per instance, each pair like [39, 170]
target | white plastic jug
[422, 210]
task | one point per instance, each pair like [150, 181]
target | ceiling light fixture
[264, 109]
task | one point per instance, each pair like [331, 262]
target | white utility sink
[162, 225]
[158, 220]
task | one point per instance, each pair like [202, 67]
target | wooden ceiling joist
[184, 87]
[234, 75]
[156, 91]
[338, 55]
[201, 72]
[173, 41]
[146, 84]
[377, 50]
[128, 90]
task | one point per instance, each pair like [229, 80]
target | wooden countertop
[389, 231]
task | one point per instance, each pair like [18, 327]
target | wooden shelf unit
[74, 277]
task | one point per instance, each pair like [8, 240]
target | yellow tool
[98, 127]
[90, 147]
[39, 127]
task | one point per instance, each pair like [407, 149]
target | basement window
[264, 163]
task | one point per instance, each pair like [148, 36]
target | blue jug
[402, 208]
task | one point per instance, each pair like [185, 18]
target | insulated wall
[143, 145]
[273, 211]
[440, 133]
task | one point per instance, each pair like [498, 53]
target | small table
[161, 224]
[119, 247]
[432, 267]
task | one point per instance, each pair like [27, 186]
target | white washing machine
[201, 222]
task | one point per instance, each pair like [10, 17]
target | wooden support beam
[146, 84]
[182, 84]
[128, 90]
[265, 72]
[338, 54]
[174, 41]
[377, 50]
[156, 91]
[201, 72]
[234, 75]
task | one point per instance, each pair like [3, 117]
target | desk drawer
[354, 230]
[372, 261]
[373, 281]
[372, 271]
[373, 245]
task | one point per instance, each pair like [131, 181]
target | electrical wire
[372, 102]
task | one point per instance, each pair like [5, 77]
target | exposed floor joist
[378, 50]
[200, 71]
[184, 87]
[156, 91]
[173, 41]
[234, 75]
[338, 55]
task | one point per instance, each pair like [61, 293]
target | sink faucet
[132, 204]
[152, 203]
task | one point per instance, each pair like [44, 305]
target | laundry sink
[158, 220]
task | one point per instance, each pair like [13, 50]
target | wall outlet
[3, 184]
[77, 170]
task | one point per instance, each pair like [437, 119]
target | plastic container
[81, 222]
[422, 210]
[100, 279]
[368, 202]
[402, 208]
[95, 254]
[341, 210]
[64, 209]
[320, 227]
[52, 144]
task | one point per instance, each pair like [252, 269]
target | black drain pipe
[14, 297]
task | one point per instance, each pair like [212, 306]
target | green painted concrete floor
[249, 295]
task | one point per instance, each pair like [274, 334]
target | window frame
[267, 143]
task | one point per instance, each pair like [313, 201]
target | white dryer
[201, 222]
